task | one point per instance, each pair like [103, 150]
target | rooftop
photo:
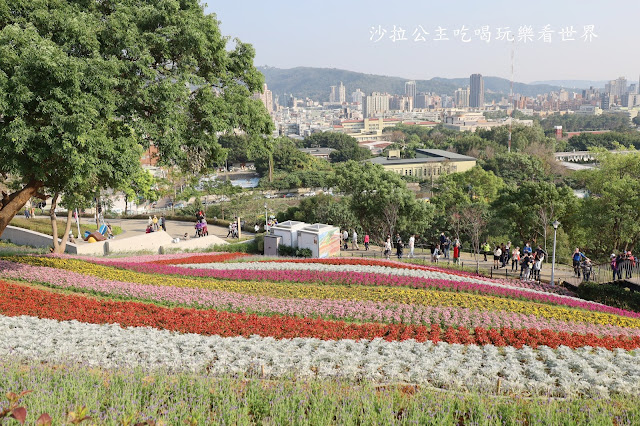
[439, 153]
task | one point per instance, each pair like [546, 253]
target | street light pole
[553, 261]
[266, 218]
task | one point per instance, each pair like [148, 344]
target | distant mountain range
[315, 83]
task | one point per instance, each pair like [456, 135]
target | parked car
[290, 195]
[309, 194]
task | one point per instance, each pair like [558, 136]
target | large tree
[84, 85]
[610, 215]
[381, 200]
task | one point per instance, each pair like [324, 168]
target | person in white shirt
[354, 240]
[387, 248]
[496, 257]
[412, 241]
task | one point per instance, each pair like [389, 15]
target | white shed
[288, 231]
[323, 240]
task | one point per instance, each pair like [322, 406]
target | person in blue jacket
[577, 258]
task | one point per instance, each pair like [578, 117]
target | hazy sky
[336, 34]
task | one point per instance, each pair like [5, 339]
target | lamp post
[266, 217]
[553, 261]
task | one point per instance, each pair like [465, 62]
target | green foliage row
[284, 250]
[248, 247]
[137, 396]
[611, 295]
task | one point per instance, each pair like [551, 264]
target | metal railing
[626, 270]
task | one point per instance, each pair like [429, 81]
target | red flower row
[201, 258]
[24, 300]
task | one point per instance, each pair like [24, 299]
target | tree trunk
[12, 204]
[126, 204]
[59, 247]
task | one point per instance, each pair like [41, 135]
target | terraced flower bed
[381, 322]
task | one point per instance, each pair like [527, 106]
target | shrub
[248, 247]
[284, 250]
[610, 295]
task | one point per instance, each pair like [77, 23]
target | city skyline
[337, 35]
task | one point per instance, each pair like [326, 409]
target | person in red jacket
[456, 253]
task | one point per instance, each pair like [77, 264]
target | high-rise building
[376, 104]
[401, 103]
[410, 90]
[617, 87]
[337, 94]
[333, 95]
[461, 98]
[476, 94]
[606, 100]
[357, 96]
[266, 97]
[422, 100]
[342, 97]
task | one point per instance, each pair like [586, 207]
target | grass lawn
[44, 226]
[122, 396]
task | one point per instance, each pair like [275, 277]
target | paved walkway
[561, 273]
[177, 229]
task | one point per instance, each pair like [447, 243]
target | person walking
[515, 259]
[163, 223]
[614, 266]
[456, 252]
[354, 240]
[345, 239]
[366, 242]
[486, 248]
[587, 269]
[496, 257]
[525, 268]
[412, 243]
[256, 228]
[230, 230]
[537, 266]
[446, 246]
[150, 223]
[577, 257]
[399, 249]
[631, 264]
[155, 222]
[620, 261]
[387, 247]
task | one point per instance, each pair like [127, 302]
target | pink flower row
[338, 309]
[358, 278]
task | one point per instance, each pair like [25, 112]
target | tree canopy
[346, 147]
[86, 85]
[381, 200]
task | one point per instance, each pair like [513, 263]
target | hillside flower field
[247, 322]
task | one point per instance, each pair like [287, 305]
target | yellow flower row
[338, 292]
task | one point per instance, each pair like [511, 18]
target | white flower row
[543, 371]
[319, 267]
